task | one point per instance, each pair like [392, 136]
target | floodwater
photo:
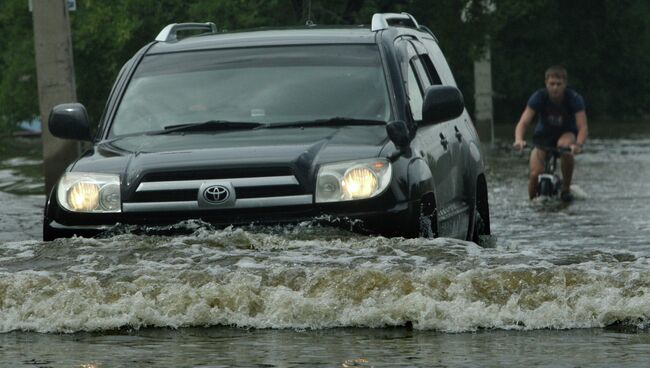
[557, 286]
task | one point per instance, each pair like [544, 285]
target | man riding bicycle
[561, 122]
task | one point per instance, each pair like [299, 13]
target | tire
[557, 188]
[426, 228]
[478, 228]
[545, 188]
[423, 222]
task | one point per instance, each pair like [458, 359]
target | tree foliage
[18, 86]
[605, 44]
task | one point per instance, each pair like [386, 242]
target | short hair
[556, 71]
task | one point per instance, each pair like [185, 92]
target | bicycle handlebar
[562, 149]
[550, 149]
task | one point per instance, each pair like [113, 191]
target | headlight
[346, 181]
[90, 192]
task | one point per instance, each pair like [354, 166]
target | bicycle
[549, 184]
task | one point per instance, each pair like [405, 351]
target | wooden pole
[484, 115]
[56, 81]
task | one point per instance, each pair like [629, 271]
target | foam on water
[312, 278]
[578, 192]
[549, 266]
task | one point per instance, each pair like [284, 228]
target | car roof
[269, 37]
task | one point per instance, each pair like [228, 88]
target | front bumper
[369, 216]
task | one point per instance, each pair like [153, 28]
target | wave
[305, 278]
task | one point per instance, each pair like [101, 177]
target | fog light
[328, 188]
[109, 197]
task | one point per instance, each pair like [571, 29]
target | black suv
[359, 125]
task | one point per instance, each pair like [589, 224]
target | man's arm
[583, 131]
[522, 125]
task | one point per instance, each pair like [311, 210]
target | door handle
[459, 135]
[443, 141]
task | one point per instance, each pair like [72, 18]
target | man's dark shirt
[555, 119]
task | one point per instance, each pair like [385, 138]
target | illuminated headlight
[347, 181]
[90, 192]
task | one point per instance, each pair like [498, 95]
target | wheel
[426, 226]
[479, 231]
[423, 222]
[557, 186]
[478, 227]
[545, 187]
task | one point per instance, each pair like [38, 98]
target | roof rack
[170, 32]
[429, 31]
[384, 20]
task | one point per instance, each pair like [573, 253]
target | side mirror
[442, 103]
[70, 121]
[398, 133]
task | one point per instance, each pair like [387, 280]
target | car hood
[299, 148]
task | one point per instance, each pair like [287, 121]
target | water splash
[310, 278]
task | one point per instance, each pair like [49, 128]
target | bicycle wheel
[545, 188]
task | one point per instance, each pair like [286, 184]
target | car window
[438, 63]
[260, 84]
[424, 65]
[424, 78]
[415, 93]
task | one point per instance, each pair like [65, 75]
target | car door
[463, 128]
[432, 71]
[432, 141]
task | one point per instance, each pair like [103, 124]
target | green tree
[18, 83]
[605, 44]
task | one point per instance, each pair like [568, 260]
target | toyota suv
[362, 126]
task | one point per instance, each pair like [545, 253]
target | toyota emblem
[216, 194]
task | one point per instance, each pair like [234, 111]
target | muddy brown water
[557, 286]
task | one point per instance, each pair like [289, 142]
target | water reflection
[228, 347]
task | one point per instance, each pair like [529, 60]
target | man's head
[555, 80]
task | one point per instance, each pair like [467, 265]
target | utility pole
[484, 112]
[56, 82]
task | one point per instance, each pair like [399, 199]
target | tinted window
[415, 94]
[270, 84]
[439, 62]
[427, 71]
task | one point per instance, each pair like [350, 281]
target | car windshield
[261, 85]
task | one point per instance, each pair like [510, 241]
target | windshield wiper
[207, 126]
[336, 121]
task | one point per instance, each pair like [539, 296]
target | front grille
[166, 195]
[184, 191]
[270, 191]
[230, 173]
